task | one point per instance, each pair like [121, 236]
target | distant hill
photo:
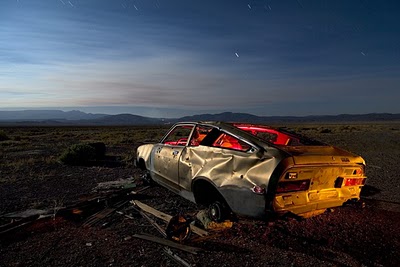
[244, 117]
[225, 116]
[123, 119]
[27, 115]
[58, 117]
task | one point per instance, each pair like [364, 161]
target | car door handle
[175, 153]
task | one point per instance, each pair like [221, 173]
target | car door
[168, 153]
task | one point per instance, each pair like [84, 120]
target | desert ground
[32, 177]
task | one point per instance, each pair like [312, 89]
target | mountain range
[75, 117]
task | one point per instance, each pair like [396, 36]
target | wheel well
[142, 164]
[205, 193]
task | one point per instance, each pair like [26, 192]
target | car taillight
[300, 185]
[354, 181]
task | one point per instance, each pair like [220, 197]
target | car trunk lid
[310, 155]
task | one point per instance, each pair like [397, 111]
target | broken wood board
[157, 213]
[152, 222]
[169, 243]
[166, 217]
[176, 258]
[97, 217]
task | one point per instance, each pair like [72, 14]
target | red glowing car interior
[271, 135]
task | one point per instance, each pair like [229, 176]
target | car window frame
[209, 141]
[163, 140]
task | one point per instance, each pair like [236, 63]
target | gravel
[344, 236]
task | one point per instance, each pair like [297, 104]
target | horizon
[167, 58]
[203, 113]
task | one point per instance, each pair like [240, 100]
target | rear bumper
[308, 201]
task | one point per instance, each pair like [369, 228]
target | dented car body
[252, 170]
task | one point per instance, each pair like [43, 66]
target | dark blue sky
[172, 58]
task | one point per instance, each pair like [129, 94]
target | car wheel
[217, 211]
[147, 178]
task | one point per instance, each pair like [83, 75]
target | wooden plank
[146, 208]
[156, 225]
[166, 217]
[169, 243]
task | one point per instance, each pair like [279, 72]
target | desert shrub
[78, 154]
[128, 159]
[100, 149]
[3, 136]
[326, 131]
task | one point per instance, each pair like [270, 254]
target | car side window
[227, 141]
[199, 133]
[179, 135]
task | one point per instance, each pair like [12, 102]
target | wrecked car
[252, 170]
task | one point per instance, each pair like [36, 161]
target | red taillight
[354, 181]
[300, 185]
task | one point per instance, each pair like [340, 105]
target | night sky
[167, 58]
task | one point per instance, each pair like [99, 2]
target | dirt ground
[31, 177]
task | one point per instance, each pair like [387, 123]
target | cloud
[98, 53]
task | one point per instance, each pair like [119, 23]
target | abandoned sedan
[252, 170]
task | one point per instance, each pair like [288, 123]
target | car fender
[144, 153]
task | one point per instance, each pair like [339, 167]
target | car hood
[321, 155]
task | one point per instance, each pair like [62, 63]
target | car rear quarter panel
[233, 173]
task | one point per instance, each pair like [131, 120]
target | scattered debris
[21, 219]
[203, 217]
[26, 213]
[126, 215]
[99, 216]
[175, 257]
[140, 190]
[158, 227]
[166, 217]
[97, 202]
[118, 184]
[146, 208]
[169, 243]
[15, 224]
[178, 228]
